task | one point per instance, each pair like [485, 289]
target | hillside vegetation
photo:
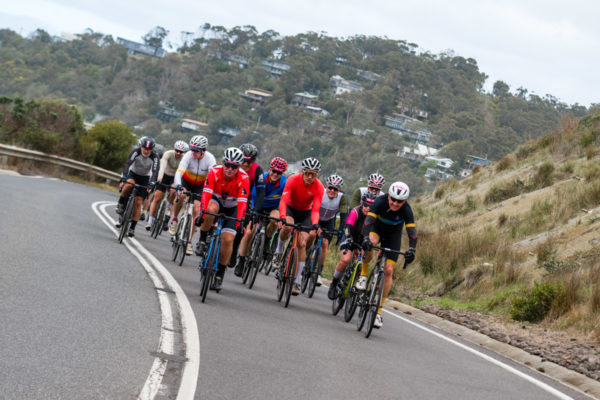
[520, 238]
[98, 76]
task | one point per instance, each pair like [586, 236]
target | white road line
[191, 339]
[513, 370]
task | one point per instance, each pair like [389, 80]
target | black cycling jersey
[383, 219]
[140, 165]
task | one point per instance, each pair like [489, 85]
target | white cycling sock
[151, 220]
[300, 268]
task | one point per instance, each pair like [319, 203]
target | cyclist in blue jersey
[274, 182]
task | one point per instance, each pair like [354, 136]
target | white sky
[546, 46]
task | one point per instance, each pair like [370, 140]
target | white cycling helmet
[182, 146]
[233, 155]
[376, 179]
[311, 164]
[198, 143]
[335, 180]
[399, 191]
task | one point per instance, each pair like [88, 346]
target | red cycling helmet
[279, 164]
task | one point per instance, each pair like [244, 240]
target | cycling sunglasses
[333, 188]
[310, 174]
[276, 172]
[229, 165]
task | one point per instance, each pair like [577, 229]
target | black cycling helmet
[250, 151]
[147, 143]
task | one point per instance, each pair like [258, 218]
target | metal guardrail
[91, 170]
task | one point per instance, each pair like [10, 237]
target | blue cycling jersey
[273, 192]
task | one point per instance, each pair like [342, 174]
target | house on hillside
[258, 96]
[168, 114]
[190, 125]
[141, 48]
[368, 75]
[409, 127]
[239, 61]
[275, 68]
[341, 85]
[305, 99]
[472, 161]
[419, 152]
[228, 133]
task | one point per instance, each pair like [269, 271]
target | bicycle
[253, 261]
[125, 218]
[287, 273]
[314, 263]
[161, 217]
[209, 261]
[184, 229]
[266, 265]
[370, 300]
[347, 293]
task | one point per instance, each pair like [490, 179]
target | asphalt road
[67, 321]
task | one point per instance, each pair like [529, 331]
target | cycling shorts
[328, 225]
[390, 237]
[300, 216]
[140, 180]
[196, 189]
[229, 225]
[165, 183]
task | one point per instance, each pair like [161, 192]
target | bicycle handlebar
[299, 227]
[220, 215]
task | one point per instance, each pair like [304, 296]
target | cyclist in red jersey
[300, 203]
[225, 191]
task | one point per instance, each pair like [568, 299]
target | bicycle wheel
[374, 301]
[255, 257]
[291, 276]
[185, 237]
[337, 304]
[351, 293]
[281, 278]
[175, 240]
[363, 303]
[316, 261]
[126, 218]
[158, 221]
[210, 269]
[306, 272]
[272, 246]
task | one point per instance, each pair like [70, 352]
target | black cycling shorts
[390, 237]
[229, 225]
[328, 225]
[300, 216]
[165, 183]
[196, 189]
[140, 180]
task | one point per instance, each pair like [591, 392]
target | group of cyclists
[238, 187]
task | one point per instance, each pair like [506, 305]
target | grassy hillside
[521, 238]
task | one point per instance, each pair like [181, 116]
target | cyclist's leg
[195, 214]
[158, 195]
[208, 221]
[303, 218]
[392, 241]
[243, 249]
[176, 209]
[127, 188]
[228, 233]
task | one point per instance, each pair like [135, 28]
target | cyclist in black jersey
[383, 226]
[141, 168]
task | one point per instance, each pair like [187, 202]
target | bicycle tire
[185, 237]
[291, 276]
[210, 266]
[363, 303]
[256, 254]
[176, 239]
[351, 293]
[268, 260]
[127, 215]
[307, 268]
[337, 304]
[374, 301]
[281, 278]
[312, 283]
[158, 221]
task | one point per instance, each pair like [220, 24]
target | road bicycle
[314, 263]
[126, 217]
[370, 300]
[255, 255]
[209, 261]
[346, 292]
[287, 273]
[266, 264]
[185, 224]
[162, 218]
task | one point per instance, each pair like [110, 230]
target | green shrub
[544, 176]
[534, 305]
[504, 191]
[505, 163]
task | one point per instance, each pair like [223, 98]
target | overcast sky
[546, 46]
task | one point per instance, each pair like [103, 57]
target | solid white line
[191, 339]
[513, 370]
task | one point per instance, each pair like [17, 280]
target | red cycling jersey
[301, 197]
[230, 193]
